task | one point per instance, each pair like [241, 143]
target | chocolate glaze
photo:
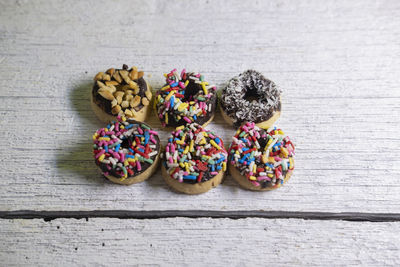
[144, 165]
[250, 84]
[105, 104]
[190, 92]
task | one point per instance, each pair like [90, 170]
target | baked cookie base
[264, 124]
[138, 178]
[245, 183]
[192, 189]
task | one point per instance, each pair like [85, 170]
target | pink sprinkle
[160, 116]
[100, 153]
[213, 173]
[122, 156]
[172, 148]
[152, 139]
[171, 160]
[181, 84]
[187, 119]
[183, 73]
[106, 173]
[276, 158]
[117, 126]
[260, 178]
[153, 132]
[108, 167]
[138, 166]
[116, 155]
[255, 183]
[167, 148]
[140, 130]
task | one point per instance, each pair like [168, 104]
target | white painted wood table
[338, 65]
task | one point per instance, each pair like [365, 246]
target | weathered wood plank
[336, 62]
[198, 242]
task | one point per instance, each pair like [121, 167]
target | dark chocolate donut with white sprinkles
[126, 151]
[185, 98]
[250, 97]
[261, 159]
[195, 160]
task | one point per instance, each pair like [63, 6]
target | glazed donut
[250, 97]
[185, 98]
[260, 159]
[127, 152]
[195, 160]
[121, 92]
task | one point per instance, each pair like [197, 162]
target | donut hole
[191, 90]
[251, 92]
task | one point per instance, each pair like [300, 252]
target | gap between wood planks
[155, 214]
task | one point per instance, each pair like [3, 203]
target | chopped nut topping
[145, 101]
[116, 109]
[106, 94]
[125, 104]
[148, 93]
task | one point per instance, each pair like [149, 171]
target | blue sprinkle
[131, 150]
[106, 136]
[212, 168]
[146, 137]
[190, 177]
[194, 117]
[217, 140]
[130, 156]
[174, 84]
[219, 168]
[108, 126]
[245, 149]
[180, 150]
[141, 150]
[128, 126]
[106, 149]
[281, 181]
[172, 101]
[117, 147]
[170, 140]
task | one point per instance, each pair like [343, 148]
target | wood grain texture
[337, 63]
[201, 242]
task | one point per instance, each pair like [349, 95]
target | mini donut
[127, 152]
[250, 97]
[195, 160]
[260, 159]
[185, 98]
[121, 92]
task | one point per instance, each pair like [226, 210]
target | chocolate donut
[250, 97]
[185, 98]
[127, 152]
[121, 92]
[260, 159]
[195, 160]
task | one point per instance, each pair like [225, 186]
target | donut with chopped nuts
[261, 159]
[185, 98]
[250, 97]
[121, 92]
[194, 160]
[127, 151]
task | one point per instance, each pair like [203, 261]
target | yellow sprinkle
[192, 102]
[205, 134]
[271, 159]
[291, 163]
[165, 87]
[179, 128]
[270, 175]
[158, 97]
[166, 118]
[182, 107]
[237, 152]
[104, 138]
[205, 156]
[254, 168]
[94, 137]
[191, 145]
[269, 142]
[126, 163]
[131, 159]
[215, 144]
[122, 127]
[186, 83]
[264, 158]
[182, 165]
[284, 152]
[179, 142]
[187, 167]
[123, 118]
[203, 141]
[204, 88]
[223, 166]
[280, 132]
[165, 75]
[253, 178]
[102, 157]
[169, 95]
[186, 150]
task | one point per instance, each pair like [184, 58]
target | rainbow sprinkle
[123, 149]
[263, 156]
[185, 98]
[194, 155]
